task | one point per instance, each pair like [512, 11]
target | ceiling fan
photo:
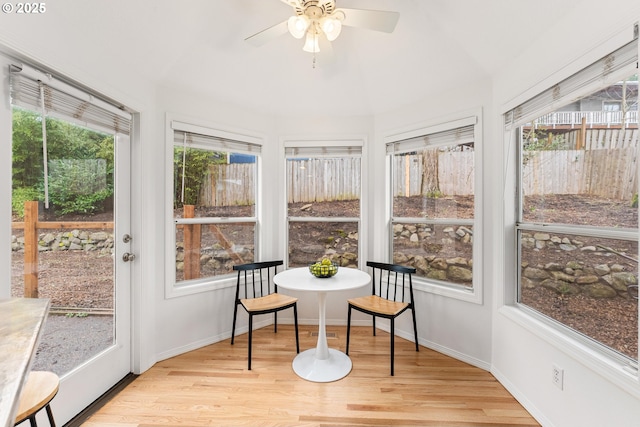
[320, 21]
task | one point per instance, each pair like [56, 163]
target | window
[611, 106]
[214, 203]
[577, 222]
[432, 203]
[324, 202]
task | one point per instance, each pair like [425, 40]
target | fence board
[604, 139]
[601, 172]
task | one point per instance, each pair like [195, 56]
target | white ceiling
[198, 46]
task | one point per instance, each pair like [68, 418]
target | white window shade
[612, 68]
[66, 102]
[324, 151]
[196, 140]
[456, 136]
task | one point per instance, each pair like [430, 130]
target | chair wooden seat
[40, 389]
[269, 302]
[391, 295]
[257, 293]
[381, 306]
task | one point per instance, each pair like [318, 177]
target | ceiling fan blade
[378, 20]
[293, 3]
[267, 35]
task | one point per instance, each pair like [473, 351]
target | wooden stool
[40, 389]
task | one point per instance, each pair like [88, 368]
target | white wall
[454, 326]
[458, 328]
[191, 321]
[595, 393]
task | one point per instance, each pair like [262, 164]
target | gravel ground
[67, 342]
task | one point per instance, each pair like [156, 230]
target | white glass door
[72, 243]
[93, 377]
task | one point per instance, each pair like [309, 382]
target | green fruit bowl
[323, 271]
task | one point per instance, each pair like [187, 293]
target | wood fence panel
[228, 184]
[30, 249]
[603, 173]
[605, 139]
[455, 173]
[317, 180]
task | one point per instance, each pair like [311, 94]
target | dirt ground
[614, 322]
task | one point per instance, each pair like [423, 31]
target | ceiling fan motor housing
[316, 9]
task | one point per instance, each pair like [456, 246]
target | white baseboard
[521, 398]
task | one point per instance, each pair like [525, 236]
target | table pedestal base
[336, 366]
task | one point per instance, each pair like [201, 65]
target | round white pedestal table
[321, 364]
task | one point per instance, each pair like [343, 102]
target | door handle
[126, 257]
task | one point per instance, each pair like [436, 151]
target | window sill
[455, 292]
[192, 287]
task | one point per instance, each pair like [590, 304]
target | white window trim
[324, 141]
[173, 121]
[471, 117]
[621, 374]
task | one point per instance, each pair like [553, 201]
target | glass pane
[324, 187]
[311, 241]
[588, 284]
[207, 250]
[434, 183]
[217, 184]
[438, 252]
[71, 262]
[579, 162]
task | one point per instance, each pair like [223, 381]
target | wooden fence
[605, 173]
[601, 169]
[317, 180]
[455, 173]
[229, 184]
[604, 139]
[31, 225]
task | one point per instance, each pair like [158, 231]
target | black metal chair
[260, 296]
[388, 299]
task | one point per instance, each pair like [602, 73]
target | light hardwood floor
[211, 386]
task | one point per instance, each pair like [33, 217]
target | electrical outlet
[557, 376]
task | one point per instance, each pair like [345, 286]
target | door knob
[126, 257]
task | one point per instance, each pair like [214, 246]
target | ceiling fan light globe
[311, 43]
[331, 28]
[298, 25]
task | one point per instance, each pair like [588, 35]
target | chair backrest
[255, 279]
[389, 281]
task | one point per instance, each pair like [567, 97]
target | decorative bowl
[323, 271]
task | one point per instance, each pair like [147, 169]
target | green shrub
[78, 186]
[82, 203]
[21, 195]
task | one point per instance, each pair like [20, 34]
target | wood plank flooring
[211, 386]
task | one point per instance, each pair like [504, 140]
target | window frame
[596, 356]
[472, 117]
[173, 123]
[332, 149]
